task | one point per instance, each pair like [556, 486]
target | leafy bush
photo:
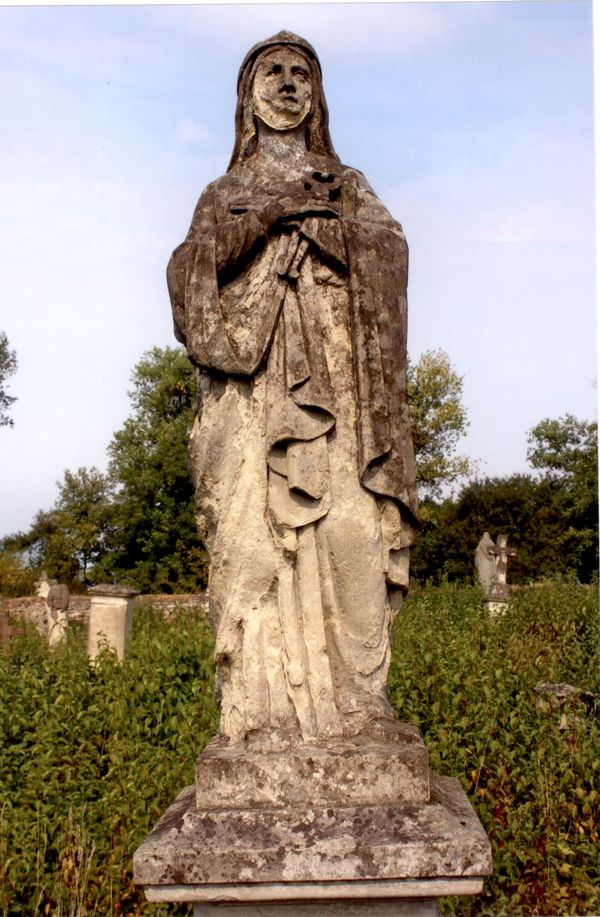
[468, 683]
[90, 758]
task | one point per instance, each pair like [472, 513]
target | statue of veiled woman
[289, 294]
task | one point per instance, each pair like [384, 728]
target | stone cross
[496, 597]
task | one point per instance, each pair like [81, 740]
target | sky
[473, 122]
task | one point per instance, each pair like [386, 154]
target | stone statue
[57, 602]
[289, 294]
[485, 561]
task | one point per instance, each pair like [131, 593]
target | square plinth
[343, 773]
[202, 853]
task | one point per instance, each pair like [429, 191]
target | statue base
[312, 857]
[395, 908]
[374, 769]
[422, 907]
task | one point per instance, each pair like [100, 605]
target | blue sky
[472, 121]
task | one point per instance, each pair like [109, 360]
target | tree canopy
[135, 524]
[8, 366]
[153, 542]
[439, 420]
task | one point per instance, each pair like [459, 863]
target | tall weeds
[89, 759]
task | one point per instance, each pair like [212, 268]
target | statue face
[282, 90]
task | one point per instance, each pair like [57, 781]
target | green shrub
[468, 682]
[90, 758]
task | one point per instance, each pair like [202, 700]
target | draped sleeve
[225, 316]
[378, 270]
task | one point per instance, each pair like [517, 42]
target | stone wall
[29, 608]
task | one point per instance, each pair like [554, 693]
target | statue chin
[280, 120]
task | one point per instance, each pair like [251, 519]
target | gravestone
[42, 586]
[289, 294]
[491, 562]
[109, 623]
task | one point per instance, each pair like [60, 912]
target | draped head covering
[318, 140]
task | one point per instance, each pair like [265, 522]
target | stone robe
[301, 452]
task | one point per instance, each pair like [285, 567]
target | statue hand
[295, 206]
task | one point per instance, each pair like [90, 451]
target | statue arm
[360, 210]
[225, 322]
[182, 260]
[327, 237]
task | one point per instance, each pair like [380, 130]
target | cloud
[337, 30]
[189, 131]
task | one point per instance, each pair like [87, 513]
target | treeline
[550, 517]
[135, 523]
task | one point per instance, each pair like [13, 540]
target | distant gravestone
[491, 562]
[39, 613]
[57, 603]
[485, 561]
[42, 586]
[109, 623]
[563, 701]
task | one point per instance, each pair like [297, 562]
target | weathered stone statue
[57, 602]
[485, 561]
[289, 293]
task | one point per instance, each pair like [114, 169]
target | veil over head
[318, 140]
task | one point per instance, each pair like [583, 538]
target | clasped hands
[287, 204]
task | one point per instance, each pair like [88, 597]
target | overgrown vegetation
[468, 682]
[91, 758]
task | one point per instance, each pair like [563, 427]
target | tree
[153, 543]
[83, 513]
[438, 419]
[16, 577]
[8, 366]
[135, 524]
[68, 540]
[565, 452]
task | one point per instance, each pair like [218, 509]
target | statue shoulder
[368, 206]
[355, 177]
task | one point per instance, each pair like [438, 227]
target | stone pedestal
[110, 619]
[422, 907]
[358, 824]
